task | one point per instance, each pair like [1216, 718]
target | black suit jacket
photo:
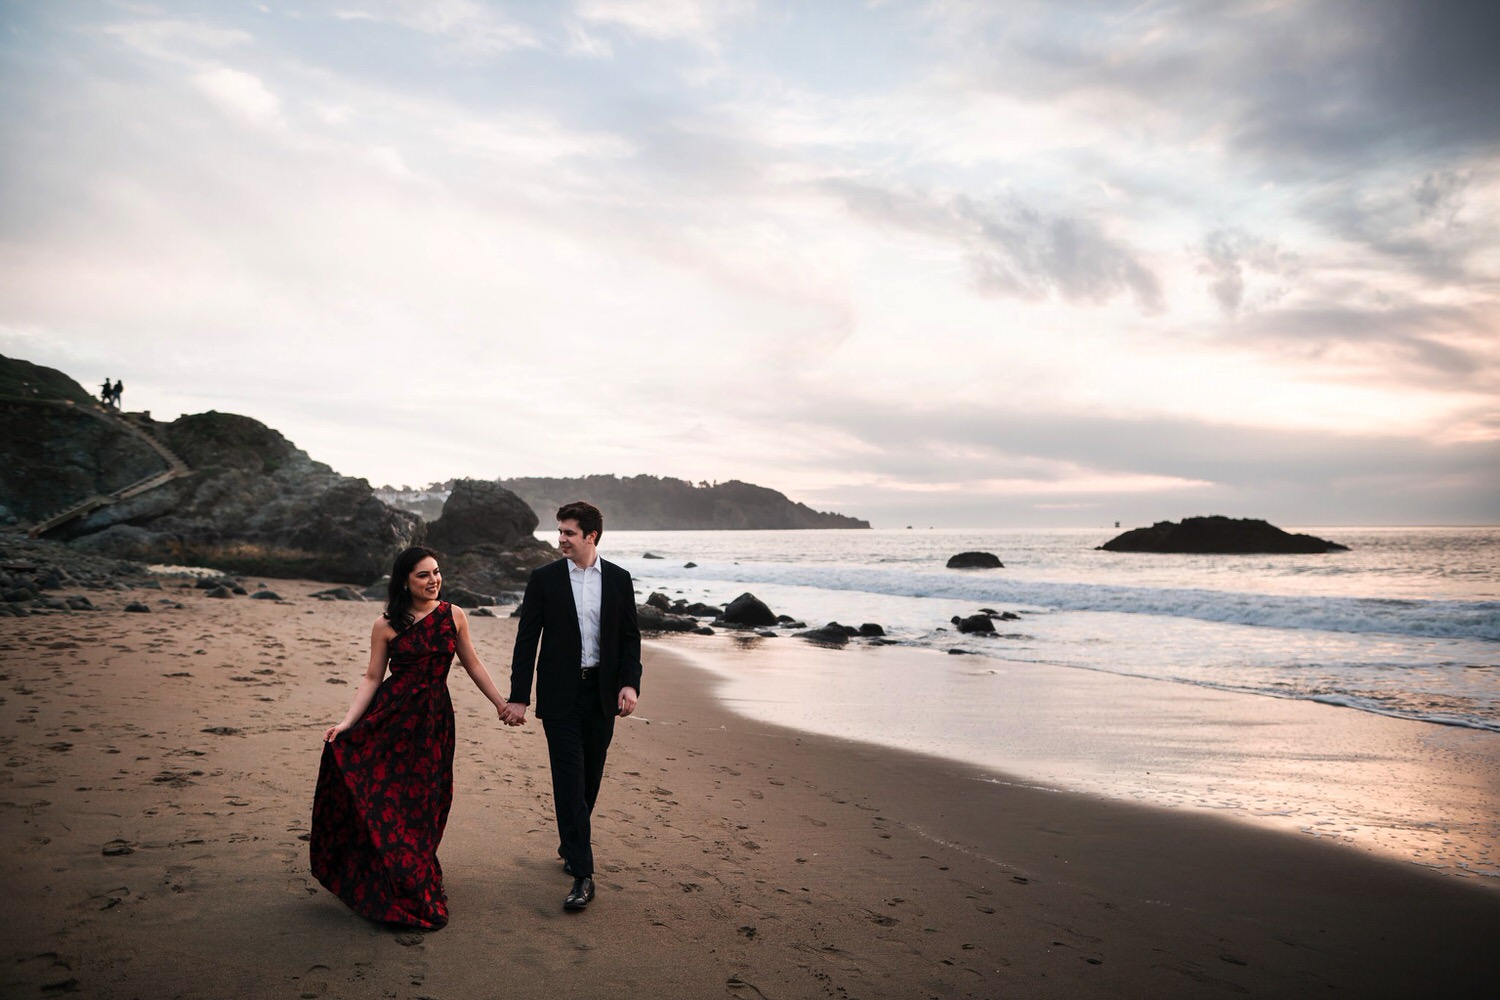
[549, 615]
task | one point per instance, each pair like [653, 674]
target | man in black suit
[582, 609]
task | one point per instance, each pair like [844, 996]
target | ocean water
[1398, 639]
[1406, 623]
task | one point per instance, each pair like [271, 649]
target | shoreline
[159, 782]
[1408, 790]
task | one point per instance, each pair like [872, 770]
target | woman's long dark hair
[397, 597]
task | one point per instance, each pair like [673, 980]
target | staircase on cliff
[129, 424]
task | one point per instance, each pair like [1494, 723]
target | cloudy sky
[951, 263]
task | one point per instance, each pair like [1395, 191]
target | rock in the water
[1218, 536]
[975, 560]
[832, 634]
[651, 555]
[748, 610]
[974, 624]
[871, 630]
[659, 601]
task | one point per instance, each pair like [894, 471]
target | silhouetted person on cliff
[119, 388]
[107, 393]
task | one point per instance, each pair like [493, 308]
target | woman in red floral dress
[386, 779]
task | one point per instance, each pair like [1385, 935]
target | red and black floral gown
[386, 783]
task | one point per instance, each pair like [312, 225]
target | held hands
[514, 713]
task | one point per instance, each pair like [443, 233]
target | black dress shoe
[583, 891]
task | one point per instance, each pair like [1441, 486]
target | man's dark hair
[590, 519]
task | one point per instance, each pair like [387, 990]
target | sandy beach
[158, 782]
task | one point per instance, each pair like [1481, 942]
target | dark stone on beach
[975, 560]
[136, 607]
[484, 613]
[871, 630]
[466, 598]
[654, 619]
[480, 512]
[660, 601]
[342, 594]
[748, 610]
[832, 634]
[210, 582]
[241, 591]
[80, 603]
[265, 595]
[651, 555]
[689, 565]
[959, 652]
[974, 624]
[19, 594]
[698, 609]
[703, 630]
[220, 592]
[1218, 535]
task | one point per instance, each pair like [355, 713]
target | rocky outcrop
[748, 611]
[975, 560]
[1218, 535]
[487, 537]
[252, 502]
[655, 503]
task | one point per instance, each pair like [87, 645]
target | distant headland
[653, 503]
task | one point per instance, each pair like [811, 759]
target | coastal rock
[1218, 535]
[265, 595]
[748, 611]
[975, 560]
[832, 634]
[207, 489]
[340, 594]
[487, 537]
[466, 598]
[479, 512]
[653, 619]
[974, 624]
[870, 630]
[660, 601]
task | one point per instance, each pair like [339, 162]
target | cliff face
[242, 498]
[655, 503]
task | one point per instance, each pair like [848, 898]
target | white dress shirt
[588, 595]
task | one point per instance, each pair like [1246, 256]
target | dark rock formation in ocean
[212, 489]
[486, 535]
[1218, 535]
[974, 624]
[656, 503]
[748, 611]
[975, 560]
